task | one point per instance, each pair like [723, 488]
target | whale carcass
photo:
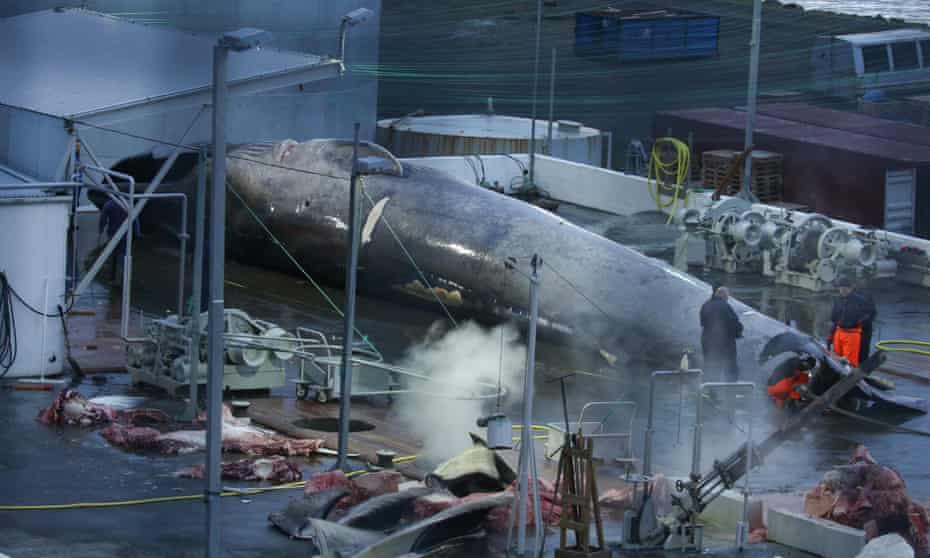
[461, 238]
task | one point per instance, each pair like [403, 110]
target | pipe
[610, 150]
[352, 240]
[551, 104]
[197, 282]
[216, 318]
[532, 174]
[133, 213]
[746, 192]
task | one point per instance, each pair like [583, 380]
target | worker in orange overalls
[789, 380]
[850, 312]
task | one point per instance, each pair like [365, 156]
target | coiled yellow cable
[680, 168]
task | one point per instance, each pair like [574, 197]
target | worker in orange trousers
[850, 312]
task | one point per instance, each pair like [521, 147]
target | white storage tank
[488, 134]
[34, 227]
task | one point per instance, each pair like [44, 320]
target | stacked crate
[767, 175]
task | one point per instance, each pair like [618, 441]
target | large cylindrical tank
[494, 134]
[33, 254]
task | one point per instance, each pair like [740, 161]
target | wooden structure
[767, 176]
[579, 496]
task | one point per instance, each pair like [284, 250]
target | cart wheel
[322, 396]
[301, 391]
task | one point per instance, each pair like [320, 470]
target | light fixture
[351, 19]
[355, 17]
[245, 39]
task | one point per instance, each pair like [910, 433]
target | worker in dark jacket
[850, 312]
[112, 216]
[720, 328]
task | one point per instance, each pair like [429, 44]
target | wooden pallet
[767, 175]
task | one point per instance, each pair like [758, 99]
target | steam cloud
[462, 362]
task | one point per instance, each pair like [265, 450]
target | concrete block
[810, 534]
[727, 510]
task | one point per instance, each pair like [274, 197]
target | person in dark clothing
[850, 312]
[720, 328]
[112, 216]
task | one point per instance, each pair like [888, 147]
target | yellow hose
[179, 497]
[680, 169]
[156, 500]
[886, 346]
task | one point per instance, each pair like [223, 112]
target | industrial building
[154, 81]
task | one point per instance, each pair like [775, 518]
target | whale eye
[306, 203]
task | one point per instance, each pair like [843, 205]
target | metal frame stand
[689, 535]
[635, 521]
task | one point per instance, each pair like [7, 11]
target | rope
[409, 256]
[299, 267]
[576, 289]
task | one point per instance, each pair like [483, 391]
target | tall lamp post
[237, 41]
[752, 94]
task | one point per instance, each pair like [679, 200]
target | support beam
[216, 323]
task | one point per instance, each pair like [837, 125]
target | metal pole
[182, 261]
[526, 443]
[743, 534]
[196, 286]
[539, 8]
[216, 317]
[698, 432]
[647, 450]
[551, 104]
[751, 98]
[352, 237]
[78, 177]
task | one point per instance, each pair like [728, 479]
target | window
[905, 56]
[925, 49]
[875, 58]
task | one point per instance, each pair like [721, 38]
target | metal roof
[864, 124]
[882, 37]
[494, 126]
[79, 64]
[801, 132]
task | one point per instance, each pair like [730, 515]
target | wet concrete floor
[47, 465]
